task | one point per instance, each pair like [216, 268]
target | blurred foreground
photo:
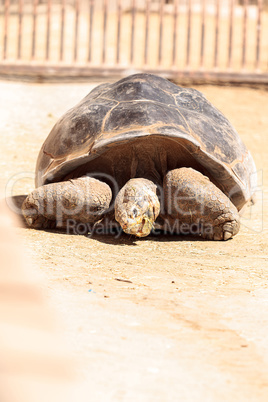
[36, 365]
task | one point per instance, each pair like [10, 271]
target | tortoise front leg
[194, 205]
[84, 200]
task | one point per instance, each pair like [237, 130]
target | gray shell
[142, 107]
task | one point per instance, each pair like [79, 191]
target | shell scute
[74, 130]
[143, 114]
[138, 90]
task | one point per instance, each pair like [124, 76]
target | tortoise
[146, 155]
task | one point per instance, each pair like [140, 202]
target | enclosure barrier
[211, 40]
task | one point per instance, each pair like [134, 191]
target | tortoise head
[137, 207]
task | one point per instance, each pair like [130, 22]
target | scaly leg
[84, 200]
[195, 205]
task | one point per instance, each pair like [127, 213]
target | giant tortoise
[148, 155]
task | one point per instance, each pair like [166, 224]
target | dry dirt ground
[162, 318]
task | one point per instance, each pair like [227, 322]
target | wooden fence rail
[193, 39]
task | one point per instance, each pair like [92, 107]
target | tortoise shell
[143, 126]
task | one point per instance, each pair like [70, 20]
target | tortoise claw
[227, 235]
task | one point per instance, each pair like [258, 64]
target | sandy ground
[162, 318]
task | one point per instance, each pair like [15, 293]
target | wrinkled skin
[191, 204]
[137, 207]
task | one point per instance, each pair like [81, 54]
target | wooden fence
[211, 40]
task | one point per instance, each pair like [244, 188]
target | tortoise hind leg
[82, 200]
[194, 205]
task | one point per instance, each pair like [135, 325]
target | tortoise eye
[134, 212]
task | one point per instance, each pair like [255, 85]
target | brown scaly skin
[194, 203]
[83, 200]
[137, 207]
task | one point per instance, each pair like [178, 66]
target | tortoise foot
[224, 231]
[31, 213]
[197, 204]
[81, 200]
